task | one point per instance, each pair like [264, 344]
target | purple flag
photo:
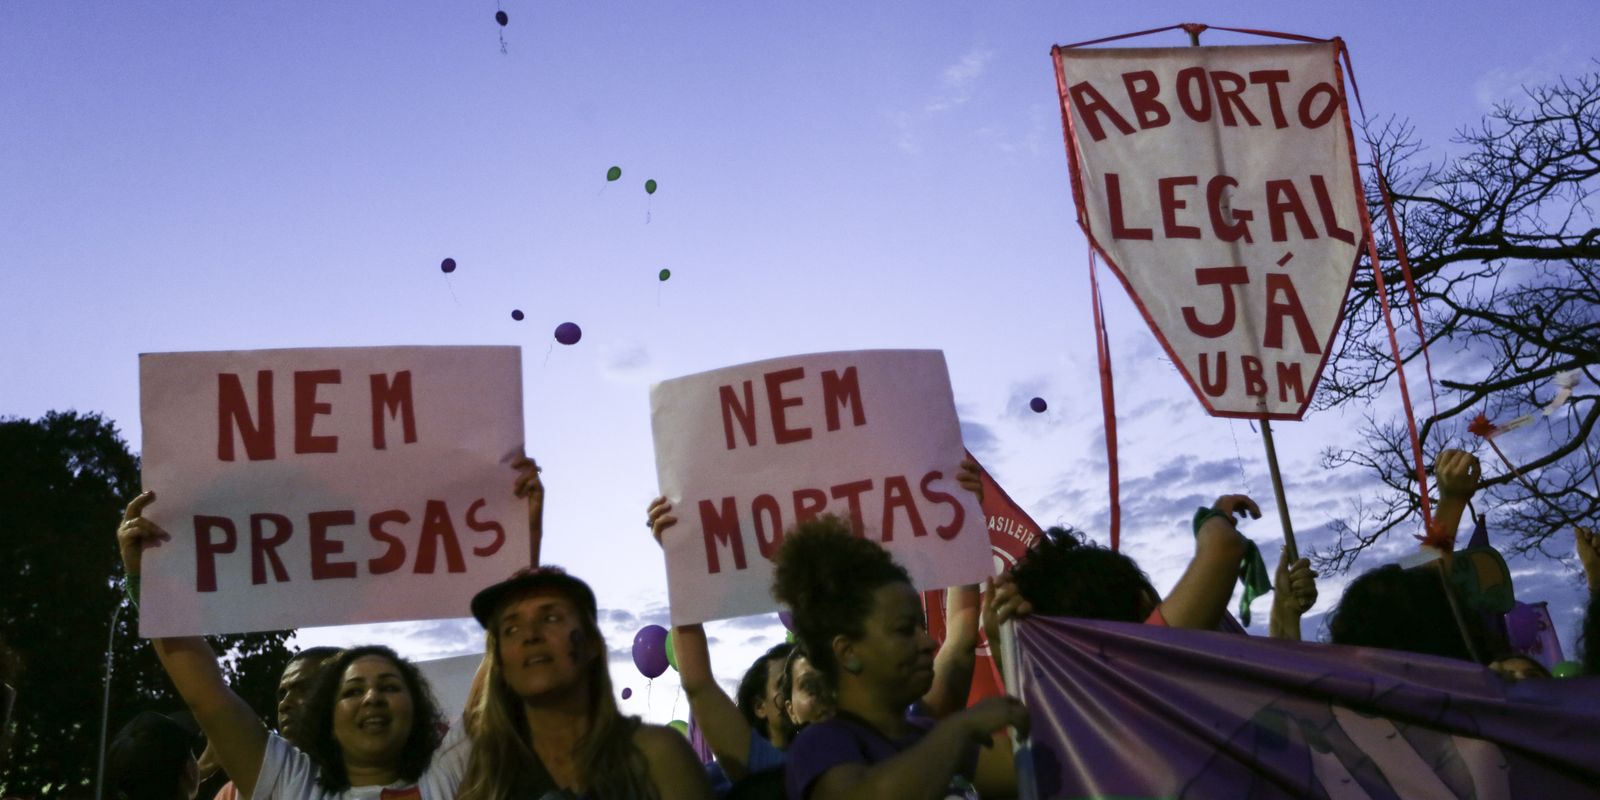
[1142, 711]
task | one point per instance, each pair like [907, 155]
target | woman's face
[373, 715]
[542, 645]
[895, 652]
[808, 702]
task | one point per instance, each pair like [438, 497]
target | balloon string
[675, 696]
[547, 353]
[452, 288]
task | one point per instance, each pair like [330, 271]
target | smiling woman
[372, 720]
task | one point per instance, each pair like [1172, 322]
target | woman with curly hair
[545, 720]
[860, 622]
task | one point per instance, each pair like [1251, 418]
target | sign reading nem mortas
[745, 453]
[328, 486]
[1220, 184]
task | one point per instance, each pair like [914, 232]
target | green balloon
[680, 726]
[788, 636]
[1567, 669]
[613, 173]
[650, 186]
[672, 653]
[664, 274]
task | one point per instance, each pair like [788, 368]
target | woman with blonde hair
[545, 721]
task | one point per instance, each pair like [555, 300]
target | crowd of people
[864, 703]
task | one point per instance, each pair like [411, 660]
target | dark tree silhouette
[1505, 253]
[64, 480]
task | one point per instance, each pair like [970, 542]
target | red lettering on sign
[1219, 386]
[721, 528]
[1220, 205]
[840, 390]
[745, 413]
[1227, 278]
[808, 504]
[897, 496]
[1142, 90]
[851, 494]
[233, 413]
[1271, 78]
[436, 531]
[1289, 377]
[1283, 198]
[1229, 86]
[323, 548]
[1170, 205]
[394, 555]
[1189, 79]
[485, 526]
[307, 409]
[1330, 222]
[767, 505]
[393, 396]
[958, 515]
[1090, 103]
[206, 550]
[776, 403]
[1288, 306]
[264, 548]
[1255, 383]
[1319, 118]
[1119, 230]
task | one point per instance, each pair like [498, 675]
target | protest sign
[1011, 533]
[1220, 184]
[1124, 710]
[746, 452]
[328, 486]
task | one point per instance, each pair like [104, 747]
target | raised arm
[232, 729]
[530, 486]
[925, 769]
[721, 723]
[958, 653]
[1201, 595]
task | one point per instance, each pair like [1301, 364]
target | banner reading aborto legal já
[328, 486]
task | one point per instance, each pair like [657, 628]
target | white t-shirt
[288, 774]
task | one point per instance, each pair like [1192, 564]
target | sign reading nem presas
[745, 453]
[328, 486]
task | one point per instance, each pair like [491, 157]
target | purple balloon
[569, 333]
[627, 693]
[650, 651]
[1038, 405]
[787, 619]
[448, 265]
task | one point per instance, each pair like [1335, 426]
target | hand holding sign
[136, 533]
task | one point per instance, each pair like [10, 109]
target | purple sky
[203, 176]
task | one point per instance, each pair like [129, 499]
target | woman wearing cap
[372, 721]
[546, 722]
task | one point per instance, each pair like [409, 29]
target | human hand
[1589, 555]
[971, 478]
[1295, 588]
[1002, 602]
[1237, 505]
[530, 486]
[1456, 473]
[136, 533]
[992, 714]
[661, 517]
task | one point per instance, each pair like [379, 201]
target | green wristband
[130, 589]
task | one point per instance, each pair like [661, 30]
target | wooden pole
[1289, 546]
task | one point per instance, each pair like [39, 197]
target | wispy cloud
[958, 80]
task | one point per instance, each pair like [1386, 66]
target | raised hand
[1457, 473]
[136, 533]
[661, 517]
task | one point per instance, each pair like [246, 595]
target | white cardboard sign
[745, 452]
[1220, 183]
[328, 486]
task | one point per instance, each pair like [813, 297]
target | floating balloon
[650, 651]
[448, 265]
[627, 693]
[500, 17]
[1038, 405]
[1567, 669]
[672, 652]
[664, 274]
[680, 726]
[650, 186]
[613, 173]
[516, 314]
[787, 618]
[568, 333]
